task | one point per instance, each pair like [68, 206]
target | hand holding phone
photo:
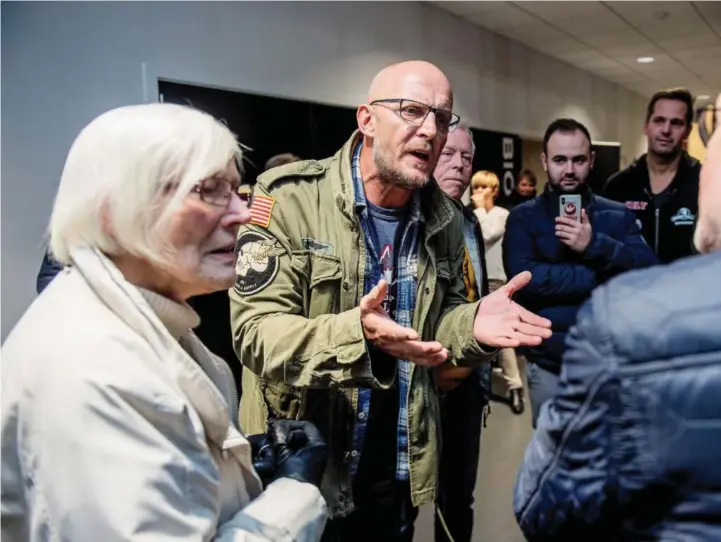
[573, 227]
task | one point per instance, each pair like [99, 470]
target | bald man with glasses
[355, 293]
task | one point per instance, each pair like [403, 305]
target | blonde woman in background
[492, 218]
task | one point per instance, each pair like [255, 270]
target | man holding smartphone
[572, 241]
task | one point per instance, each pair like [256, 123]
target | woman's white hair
[118, 169]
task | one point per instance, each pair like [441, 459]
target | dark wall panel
[273, 125]
[501, 153]
[267, 125]
[608, 162]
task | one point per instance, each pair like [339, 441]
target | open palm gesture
[502, 323]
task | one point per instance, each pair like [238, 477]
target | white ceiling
[606, 38]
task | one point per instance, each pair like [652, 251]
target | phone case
[570, 206]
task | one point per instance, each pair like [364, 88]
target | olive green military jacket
[296, 322]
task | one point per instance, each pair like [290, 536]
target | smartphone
[570, 206]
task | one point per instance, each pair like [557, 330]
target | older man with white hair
[117, 423]
[629, 447]
[465, 390]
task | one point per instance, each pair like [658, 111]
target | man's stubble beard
[393, 176]
[668, 156]
[561, 190]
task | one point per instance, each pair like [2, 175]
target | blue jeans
[542, 386]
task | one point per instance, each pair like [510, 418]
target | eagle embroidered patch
[257, 262]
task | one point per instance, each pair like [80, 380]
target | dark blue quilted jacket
[563, 279]
[630, 447]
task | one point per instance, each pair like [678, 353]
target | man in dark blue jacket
[629, 447]
[568, 258]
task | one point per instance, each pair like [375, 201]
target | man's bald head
[392, 79]
[707, 237]
[405, 123]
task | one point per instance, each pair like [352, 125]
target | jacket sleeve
[614, 256]
[287, 510]
[563, 487]
[273, 338]
[492, 225]
[551, 283]
[455, 327]
[485, 286]
[143, 468]
[48, 269]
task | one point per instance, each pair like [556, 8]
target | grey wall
[64, 63]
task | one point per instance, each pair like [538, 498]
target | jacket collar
[128, 303]
[436, 208]
[685, 164]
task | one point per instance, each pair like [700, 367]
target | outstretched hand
[502, 323]
[397, 341]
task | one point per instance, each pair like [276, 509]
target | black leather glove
[300, 451]
[263, 457]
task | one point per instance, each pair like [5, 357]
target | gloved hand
[263, 457]
[300, 451]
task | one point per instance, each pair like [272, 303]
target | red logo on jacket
[637, 205]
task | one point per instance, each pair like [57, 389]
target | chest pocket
[321, 274]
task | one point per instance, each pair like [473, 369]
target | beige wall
[64, 63]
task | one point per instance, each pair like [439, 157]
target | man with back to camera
[629, 447]
[355, 262]
[568, 257]
[661, 187]
[465, 390]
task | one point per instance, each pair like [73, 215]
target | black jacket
[563, 279]
[48, 269]
[668, 229]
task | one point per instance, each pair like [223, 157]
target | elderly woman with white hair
[117, 423]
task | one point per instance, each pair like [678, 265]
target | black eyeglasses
[416, 113]
[707, 119]
[216, 191]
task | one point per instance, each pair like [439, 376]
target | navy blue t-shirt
[378, 459]
[388, 225]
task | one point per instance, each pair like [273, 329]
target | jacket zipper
[656, 212]
[236, 398]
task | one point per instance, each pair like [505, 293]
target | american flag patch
[261, 209]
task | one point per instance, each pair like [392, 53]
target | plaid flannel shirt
[406, 283]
